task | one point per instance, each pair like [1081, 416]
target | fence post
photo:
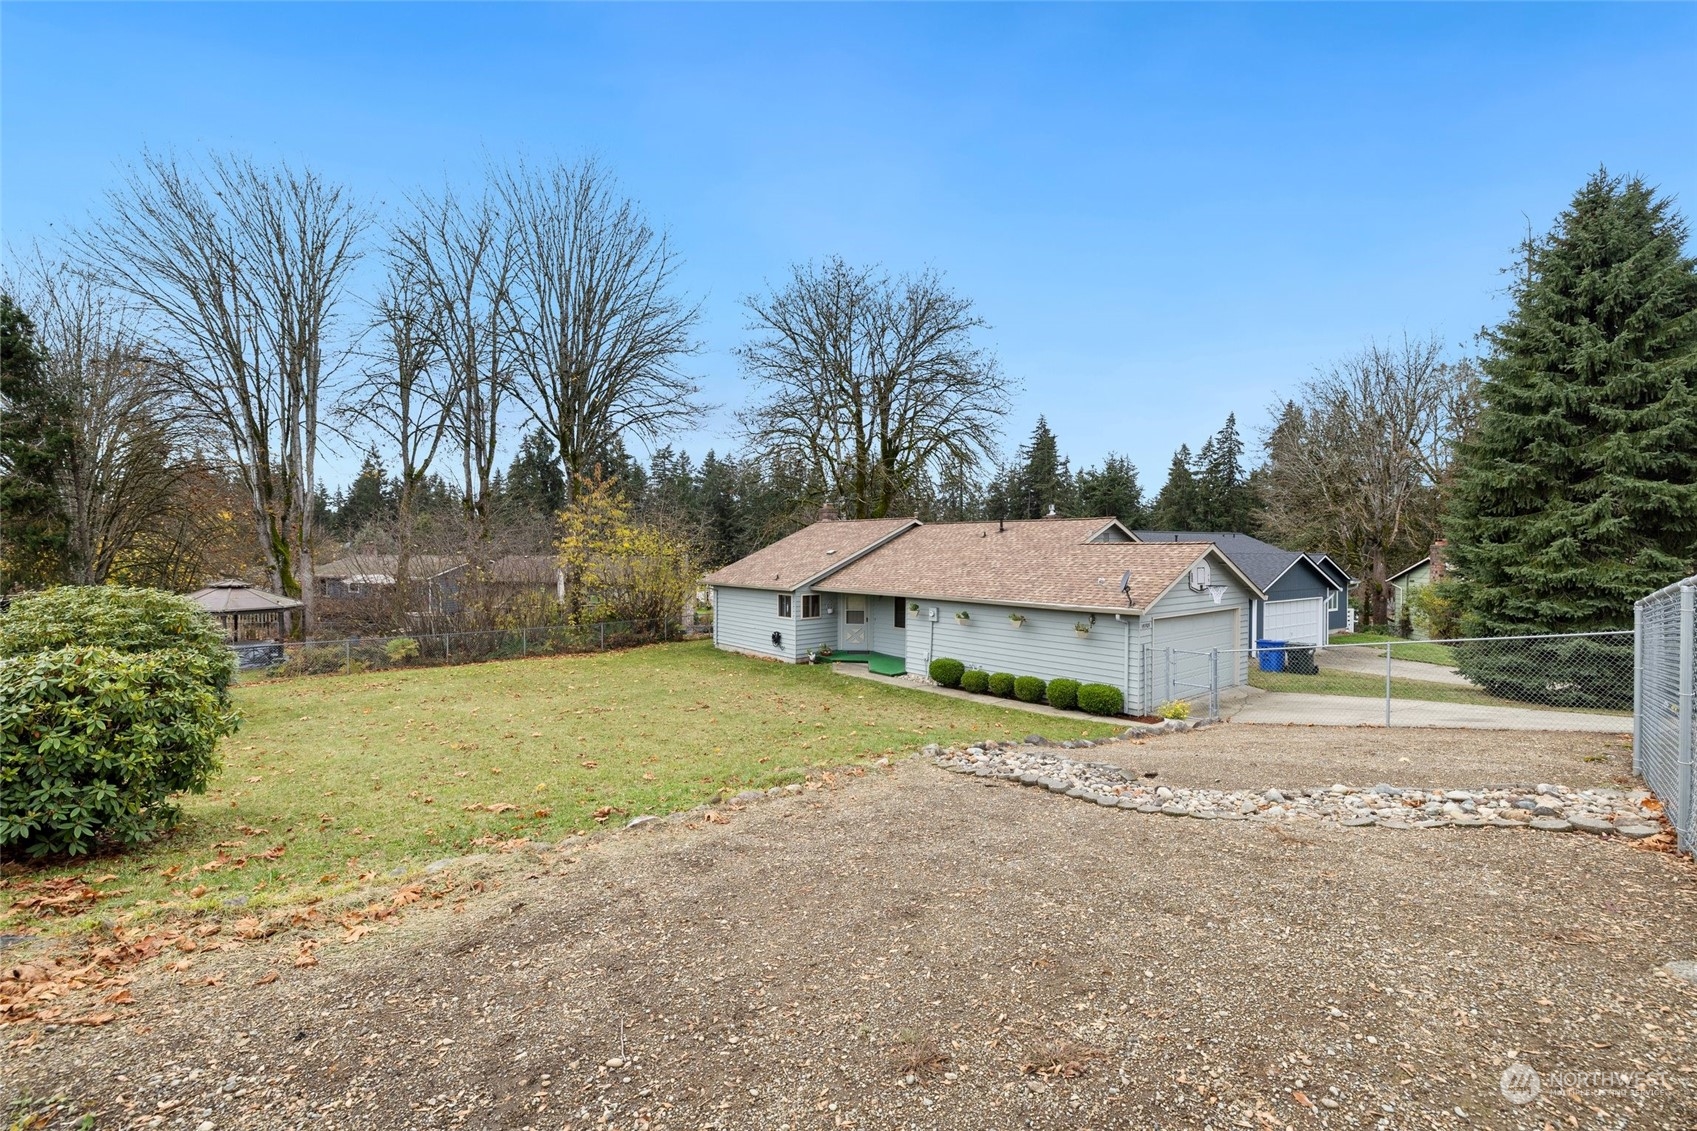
[1387, 683]
[447, 647]
[1687, 704]
[1169, 696]
[524, 640]
[1214, 684]
[347, 657]
[601, 629]
[1639, 657]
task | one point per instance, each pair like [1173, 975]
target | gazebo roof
[226, 598]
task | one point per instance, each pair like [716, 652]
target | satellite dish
[1125, 582]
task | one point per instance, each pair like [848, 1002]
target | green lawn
[335, 781]
[1419, 651]
[1373, 687]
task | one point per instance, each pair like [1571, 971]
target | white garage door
[1188, 636]
[1296, 621]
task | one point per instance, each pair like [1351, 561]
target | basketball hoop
[1216, 592]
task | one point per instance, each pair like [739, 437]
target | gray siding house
[1052, 598]
[1302, 596]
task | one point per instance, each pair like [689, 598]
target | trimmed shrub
[93, 743]
[1174, 709]
[1028, 689]
[1001, 684]
[1062, 693]
[946, 672]
[123, 620]
[400, 650]
[1100, 699]
[976, 681]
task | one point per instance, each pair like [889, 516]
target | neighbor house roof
[1043, 563]
[1410, 569]
[809, 554]
[1262, 562]
[382, 567]
[1332, 567]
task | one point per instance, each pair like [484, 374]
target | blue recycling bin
[1272, 654]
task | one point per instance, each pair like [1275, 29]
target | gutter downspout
[1121, 617]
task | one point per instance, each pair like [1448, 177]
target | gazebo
[245, 612]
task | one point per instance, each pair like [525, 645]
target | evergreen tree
[959, 497]
[534, 479]
[1577, 492]
[34, 446]
[371, 498]
[1179, 503]
[1042, 478]
[1224, 498]
[1112, 491]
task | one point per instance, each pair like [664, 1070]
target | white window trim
[1332, 601]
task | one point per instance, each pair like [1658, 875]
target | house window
[901, 613]
[1332, 601]
[783, 604]
[810, 605]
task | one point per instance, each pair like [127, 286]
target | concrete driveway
[1250, 705]
[1369, 659]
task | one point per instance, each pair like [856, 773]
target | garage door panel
[1295, 621]
[1186, 636]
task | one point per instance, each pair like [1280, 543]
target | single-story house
[1053, 598]
[1402, 585]
[437, 580]
[1302, 595]
[1340, 617]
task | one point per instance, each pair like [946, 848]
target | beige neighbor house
[1053, 598]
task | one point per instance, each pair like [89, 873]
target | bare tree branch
[872, 383]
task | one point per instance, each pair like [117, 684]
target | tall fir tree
[1112, 490]
[1178, 504]
[1042, 477]
[1225, 499]
[34, 447]
[1577, 493]
[534, 479]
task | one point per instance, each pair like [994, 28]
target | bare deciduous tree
[129, 453]
[873, 383]
[463, 258]
[600, 334]
[242, 268]
[1359, 461]
[407, 397]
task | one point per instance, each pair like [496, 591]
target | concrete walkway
[1370, 660]
[1295, 708]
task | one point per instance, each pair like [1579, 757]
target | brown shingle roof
[811, 551]
[1041, 563]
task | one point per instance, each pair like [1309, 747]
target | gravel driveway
[912, 948]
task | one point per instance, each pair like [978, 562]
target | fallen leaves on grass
[497, 807]
[64, 895]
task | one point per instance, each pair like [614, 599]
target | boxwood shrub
[93, 743]
[118, 618]
[1063, 693]
[1028, 689]
[1101, 699]
[1001, 684]
[946, 672]
[976, 681]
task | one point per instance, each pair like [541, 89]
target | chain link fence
[1665, 700]
[273, 659]
[1574, 681]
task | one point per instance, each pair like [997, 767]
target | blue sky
[1165, 213]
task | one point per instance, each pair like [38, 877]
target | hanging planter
[1017, 619]
[963, 616]
[1081, 628]
[913, 606]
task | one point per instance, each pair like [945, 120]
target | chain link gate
[1664, 701]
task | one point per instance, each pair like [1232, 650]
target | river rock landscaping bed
[1542, 807]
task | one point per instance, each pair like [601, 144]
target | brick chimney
[1437, 558]
[828, 512]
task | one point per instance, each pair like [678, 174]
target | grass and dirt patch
[337, 783]
[1415, 651]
